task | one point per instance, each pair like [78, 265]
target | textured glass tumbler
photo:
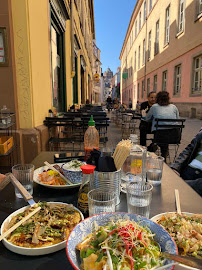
[154, 170]
[24, 174]
[139, 195]
[100, 201]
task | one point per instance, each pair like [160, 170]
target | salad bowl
[87, 226]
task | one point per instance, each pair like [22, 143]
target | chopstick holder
[177, 201]
[53, 169]
[19, 223]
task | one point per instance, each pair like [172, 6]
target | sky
[111, 23]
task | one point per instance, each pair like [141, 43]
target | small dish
[73, 172]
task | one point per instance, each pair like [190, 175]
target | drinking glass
[127, 178]
[154, 170]
[139, 195]
[100, 201]
[107, 182]
[24, 174]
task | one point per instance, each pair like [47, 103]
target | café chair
[169, 134]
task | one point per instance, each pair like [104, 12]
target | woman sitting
[163, 109]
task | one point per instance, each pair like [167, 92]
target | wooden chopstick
[177, 201]
[54, 169]
[19, 223]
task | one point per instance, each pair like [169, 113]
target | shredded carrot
[51, 178]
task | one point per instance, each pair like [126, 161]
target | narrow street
[192, 126]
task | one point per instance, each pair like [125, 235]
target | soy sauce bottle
[82, 203]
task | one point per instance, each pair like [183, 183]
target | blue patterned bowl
[85, 227]
[75, 177]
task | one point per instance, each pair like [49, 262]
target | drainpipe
[145, 66]
[72, 38]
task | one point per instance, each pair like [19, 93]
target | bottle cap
[91, 122]
[87, 169]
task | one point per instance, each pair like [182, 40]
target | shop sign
[96, 77]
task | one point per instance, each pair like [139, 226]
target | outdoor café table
[162, 200]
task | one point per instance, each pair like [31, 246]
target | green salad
[120, 245]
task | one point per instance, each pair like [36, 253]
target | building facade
[49, 52]
[108, 75]
[115, 82]
[162, 50]
[96, 96]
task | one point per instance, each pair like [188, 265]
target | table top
[163, 200]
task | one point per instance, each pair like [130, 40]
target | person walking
[188, 165]
[163, 109]
[145, 127]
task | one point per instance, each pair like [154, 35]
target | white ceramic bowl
[85, 227]
[159, 216]
[32, 251]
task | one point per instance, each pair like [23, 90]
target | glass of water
[100, 201]
[154, 170]
[24, 174]
[139, 195]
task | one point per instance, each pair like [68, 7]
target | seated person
[189, 163]
[145, 127]
[163, 109]
[87, 106]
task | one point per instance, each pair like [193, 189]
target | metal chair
[168, 132]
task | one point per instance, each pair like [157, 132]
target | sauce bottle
[82, 203]
[91, 138]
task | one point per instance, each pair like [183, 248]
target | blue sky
[111, 22]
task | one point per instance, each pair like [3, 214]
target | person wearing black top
[109, 103]
[145, 127]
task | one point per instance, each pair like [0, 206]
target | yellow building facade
[162, 50]
[50, 63]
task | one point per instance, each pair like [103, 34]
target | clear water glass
[154, 170]
[128, 178]
[107, 182]
[100, 201]
[139, 195]
[24, 174]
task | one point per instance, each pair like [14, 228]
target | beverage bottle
[5, 115]
[82, 203]
[91, 138]
[135, 163]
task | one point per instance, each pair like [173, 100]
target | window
[149, 45]
[177, 79]
[167, 25]
[135, 28]
[131, 63]
[139, 58]
[197, 75]
[148, 86]
[181, 16]
[145, 11]
[155, 83]
[135, 62]
[150, 5]
[198, 7]
[142, 94]
[143, 52]
[164, 81]
[138, 90]
[156, 45]
[139, 20]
